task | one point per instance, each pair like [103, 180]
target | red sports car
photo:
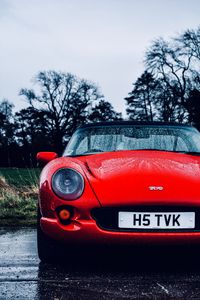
[121, 183]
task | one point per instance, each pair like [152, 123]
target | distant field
[18, 196]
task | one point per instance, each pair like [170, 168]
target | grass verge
[18, 196]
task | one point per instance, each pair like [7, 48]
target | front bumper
[87, 232]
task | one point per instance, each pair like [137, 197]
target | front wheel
[49, 250]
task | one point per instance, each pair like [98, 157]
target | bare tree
[175, 66]
[190, 40]
[67, 100]
[169, 62]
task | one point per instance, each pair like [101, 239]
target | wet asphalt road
[122, 276]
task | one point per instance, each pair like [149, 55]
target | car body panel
[86, 232]
[127, 177]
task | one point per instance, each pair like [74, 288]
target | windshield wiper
[83, 154]
[152, 149]
[190, 152]
[183, 152]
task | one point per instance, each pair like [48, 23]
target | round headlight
[68, 184]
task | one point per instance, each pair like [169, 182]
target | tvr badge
[156, 188]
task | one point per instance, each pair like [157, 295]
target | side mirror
[44, 157]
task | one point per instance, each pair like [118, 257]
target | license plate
[156, 220]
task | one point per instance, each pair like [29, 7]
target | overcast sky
[100, 40]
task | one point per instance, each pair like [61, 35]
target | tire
[49, 250]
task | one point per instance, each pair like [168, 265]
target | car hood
[138, 177]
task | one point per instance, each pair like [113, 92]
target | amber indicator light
[64, 214]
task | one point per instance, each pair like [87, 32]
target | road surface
[141, 276]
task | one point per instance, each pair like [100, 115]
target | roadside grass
[18, 196]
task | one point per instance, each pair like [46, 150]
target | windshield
[98, 139]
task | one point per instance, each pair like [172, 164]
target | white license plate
[156, 220]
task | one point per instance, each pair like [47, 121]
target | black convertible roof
[118, 123]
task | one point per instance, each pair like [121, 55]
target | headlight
[68, 184]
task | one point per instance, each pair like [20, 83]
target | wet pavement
[137, 275]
